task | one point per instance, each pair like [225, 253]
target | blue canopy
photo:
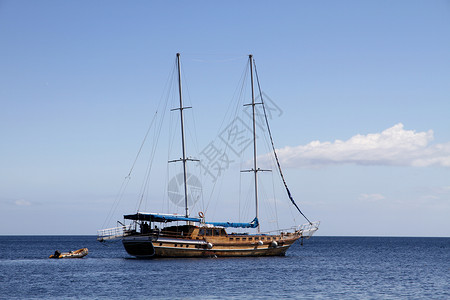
[153, 217]
[252, 224]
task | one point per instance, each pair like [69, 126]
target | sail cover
[252, 224]
[154, 217]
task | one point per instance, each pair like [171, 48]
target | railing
[309, 229]
[280, 231]
[121, 231]
[112, 233]
[306, 231]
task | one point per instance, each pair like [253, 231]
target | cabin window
[217, 232]
[175, 245]
[187, 246]
[262, 238]
[160, 244]
[209, 232]
[238, 239]
[231, 239]
[201, 231]
[244, 239]
[250, 239]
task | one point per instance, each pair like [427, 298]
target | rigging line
[145, 186]
[170, 141]
[230, 112]
[230, 115]
[187, 97]
[237, 94]
[119, 196]
[218, 60]
[201, 190]
[271, 211]
[248, 200]
[242, 91]
[273, 148]
[165, 188]
[240, 196]
[127, 178]
[275, 200]
[142, 144]
[222, 57]
[268, 210]
[157, 134]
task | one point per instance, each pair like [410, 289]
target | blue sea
[323, 268]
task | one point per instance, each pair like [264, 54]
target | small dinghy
[72, 254]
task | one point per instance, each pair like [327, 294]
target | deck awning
[155, 217]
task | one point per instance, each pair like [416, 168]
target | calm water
[324, 267]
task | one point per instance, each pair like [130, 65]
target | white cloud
[371, 197]
[394, 146]
[22, 202]
[437, 193]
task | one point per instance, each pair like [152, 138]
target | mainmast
[181, 108]
[255, 170]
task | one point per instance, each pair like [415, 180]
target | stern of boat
[139, 246]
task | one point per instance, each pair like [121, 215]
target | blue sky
[364, 134]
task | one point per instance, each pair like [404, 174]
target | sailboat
[153, 235]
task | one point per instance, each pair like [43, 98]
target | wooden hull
[142, 246]
[168, 252]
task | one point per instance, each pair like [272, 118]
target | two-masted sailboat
[151, 235]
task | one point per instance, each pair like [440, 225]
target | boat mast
[255, 170]
[182, 138]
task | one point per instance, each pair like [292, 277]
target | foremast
[183, 146]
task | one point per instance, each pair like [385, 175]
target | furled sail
[252, 224]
